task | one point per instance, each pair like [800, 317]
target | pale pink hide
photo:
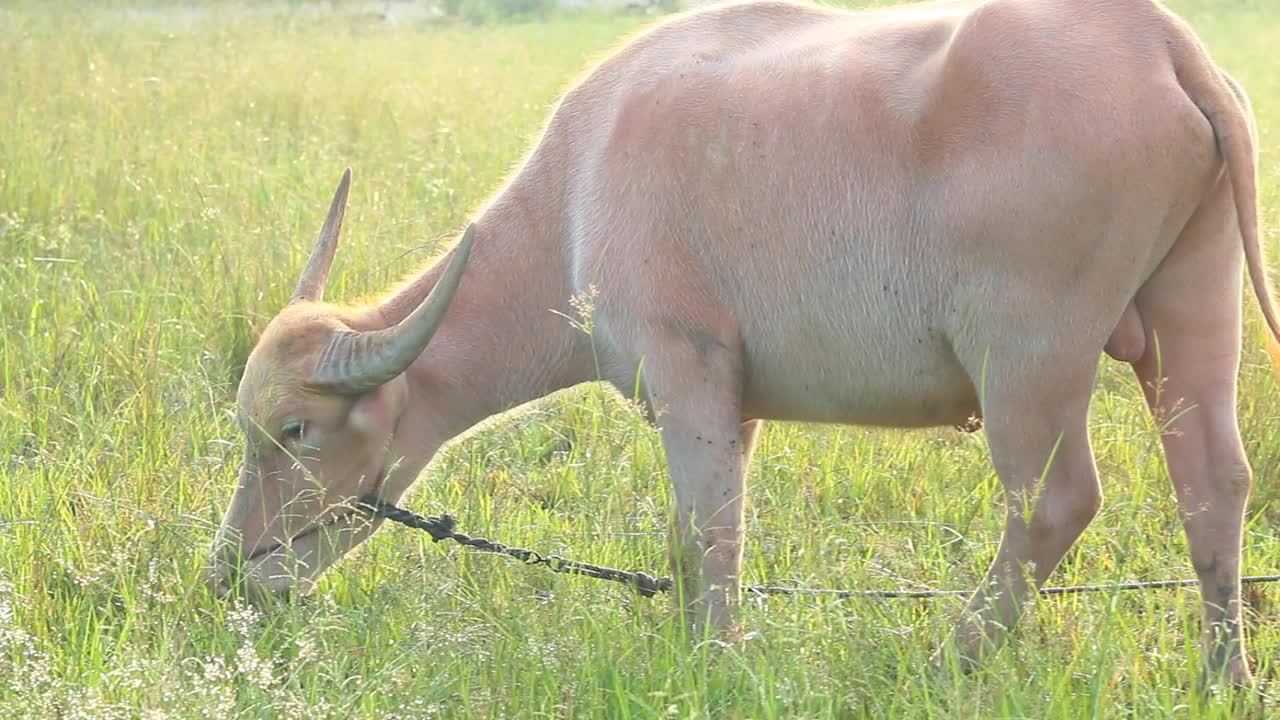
[808, 214]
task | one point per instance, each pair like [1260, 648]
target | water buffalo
[900, 217]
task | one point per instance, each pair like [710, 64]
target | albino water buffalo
[904, 217]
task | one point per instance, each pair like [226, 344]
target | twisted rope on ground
[442, 528]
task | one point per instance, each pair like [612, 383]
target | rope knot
[646, 584]
[446, 523]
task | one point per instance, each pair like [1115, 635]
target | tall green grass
[160, 183]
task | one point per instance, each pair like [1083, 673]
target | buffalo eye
[292, 431]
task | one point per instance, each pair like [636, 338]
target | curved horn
[355, 363]
[316, 274]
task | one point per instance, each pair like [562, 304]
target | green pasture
[161, 180]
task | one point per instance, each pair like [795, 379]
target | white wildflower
[153, 589]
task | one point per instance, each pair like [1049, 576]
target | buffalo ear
[375, 413]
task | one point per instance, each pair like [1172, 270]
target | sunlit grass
[159, 187]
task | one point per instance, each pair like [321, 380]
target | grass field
[160, 184]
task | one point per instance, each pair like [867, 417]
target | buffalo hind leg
[1192, 312]
[1211, 479]
[1037, 430]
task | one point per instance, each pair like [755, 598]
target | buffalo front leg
[695, 390]
[1036, 427]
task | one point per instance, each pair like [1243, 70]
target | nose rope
[442, 528]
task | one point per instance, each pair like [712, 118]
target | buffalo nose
[218, 584]
[224, 567]
[217, 577]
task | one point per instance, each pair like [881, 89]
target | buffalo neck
[504, 340]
